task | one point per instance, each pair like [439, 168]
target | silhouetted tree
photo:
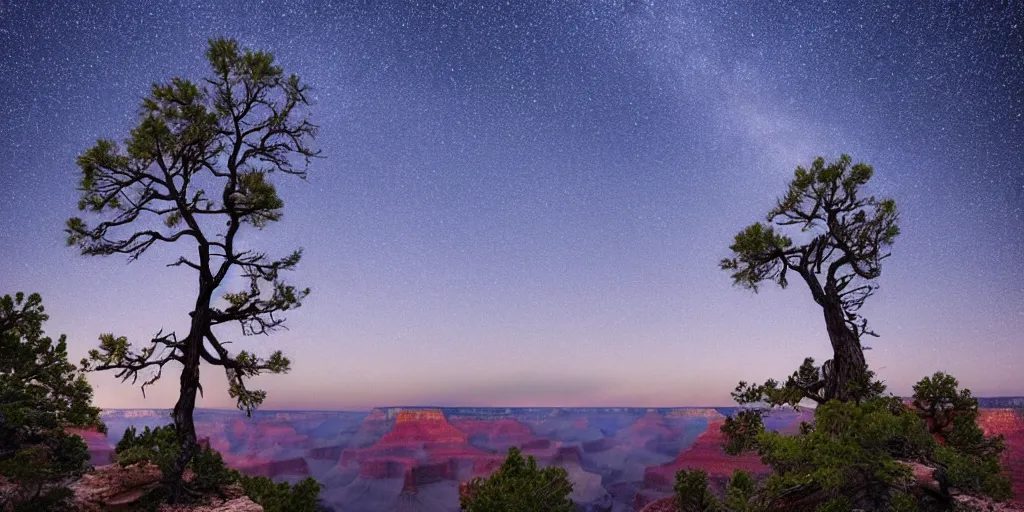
[843, 237]
[193, 172]
[41, 394]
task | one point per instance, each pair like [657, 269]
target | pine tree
[195, 172]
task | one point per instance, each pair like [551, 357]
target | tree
[519, 486]
[859, 454]
[41, 394]
[846, 238]
[692, 492]
[195, 170]
[971, 459]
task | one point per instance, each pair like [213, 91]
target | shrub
[281, 497]
[692, 492]
[740, 491]
[41, 394]
[159, 446]
[846, 458]
[519, 486]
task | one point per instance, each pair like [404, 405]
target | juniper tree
[842, 238]
[194, 172]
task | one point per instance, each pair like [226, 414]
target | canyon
[413, 459]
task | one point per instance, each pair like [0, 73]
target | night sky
[524, 203]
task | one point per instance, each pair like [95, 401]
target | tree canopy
[196, 170]
[41, 394]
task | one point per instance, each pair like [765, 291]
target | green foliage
[938, 401]
[519, 486]
[971, 458]
[740, 492]
[852, 456]
[974, 474]
[741, 431]
[210, 473]
[282, 497]
[692, 492]
[160, 445]
[824, 199]
[157, 446]
[849, 457]
[41, 394]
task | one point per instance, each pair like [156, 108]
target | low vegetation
[210, 476]
[41, 394]
[520, 485]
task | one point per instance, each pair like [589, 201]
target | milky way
[523, 203]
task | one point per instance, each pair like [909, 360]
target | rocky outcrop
[112, 488]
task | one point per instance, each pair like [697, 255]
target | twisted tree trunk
[848, 366]
[184, 425]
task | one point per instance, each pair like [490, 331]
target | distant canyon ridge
[412, 459]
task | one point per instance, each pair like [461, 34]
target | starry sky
[524, 203]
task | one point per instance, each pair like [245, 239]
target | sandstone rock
[113, 487]
[976, 504]
[1009, 423]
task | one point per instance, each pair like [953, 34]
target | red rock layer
[259, 466]
[423, 426]
[1010, 424]
[650, 425]
[496, 431]
[421, 448]
[101, 451]
[706, 453]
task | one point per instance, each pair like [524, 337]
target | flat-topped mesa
[423, 426]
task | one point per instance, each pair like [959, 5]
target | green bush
[159, 446]
[740, 491]
[692, 492]
[519, 486]
[41, 394]
[854, 454]
[847, 455]
[282, 497]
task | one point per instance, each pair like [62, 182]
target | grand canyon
[413, 459]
